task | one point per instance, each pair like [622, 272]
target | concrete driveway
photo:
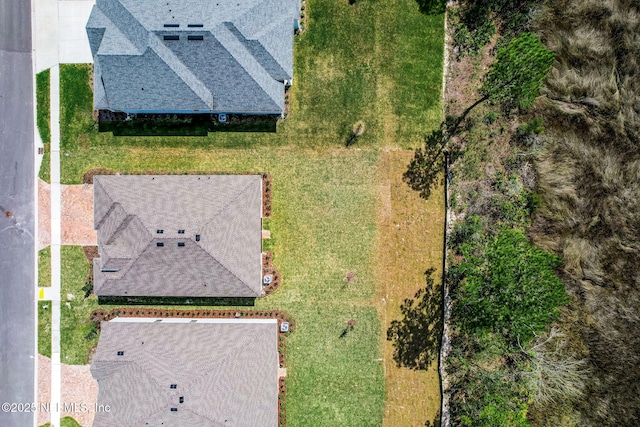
[60, 34]
[76, 216]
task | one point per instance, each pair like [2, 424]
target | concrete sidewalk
[60, 38]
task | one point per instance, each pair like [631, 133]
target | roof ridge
[181, 70]
[233, 200]
[247, 338]
[130, 265]
[108, 212]
[123, 225]
[230, 42]
[228, 270]
[164, 393]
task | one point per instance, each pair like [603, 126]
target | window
[160, 244]
[181, 244]
[173, 386]
[159, 231]
[180, 231]
[171, 25]
[195, 38]
[195, 25]
[121, 353]
[171, 37]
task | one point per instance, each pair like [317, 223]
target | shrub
[509, 287]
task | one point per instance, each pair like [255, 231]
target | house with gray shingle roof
[187, 56]
[178, 236]
[187, 372]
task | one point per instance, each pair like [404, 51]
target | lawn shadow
[196, 302]
[123, 124]
[432, 7]
[416, 337]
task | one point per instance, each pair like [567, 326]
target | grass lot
[76, 338]
[44, 328]
[44, 307]
[42, 118]
[44, 267]
[378, 62]
[411, 233]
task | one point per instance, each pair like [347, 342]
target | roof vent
[171, 37]
[180, 231]
[120, 353]
[180, 244]
[159, 231]
[181, 399]
[174, 409]
[160, 244]
[173, 386]
[197, 237]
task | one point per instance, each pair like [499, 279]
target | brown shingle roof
[227, 374]
[217, 254]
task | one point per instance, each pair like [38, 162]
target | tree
[515, 77]
[508, 286]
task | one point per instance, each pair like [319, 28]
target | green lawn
[44, 267]
[379, 62]
[76, 338]
[43, 118]
[44, 307]
[44, 328]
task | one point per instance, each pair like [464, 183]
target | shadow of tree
[424, 172]
[416, 337]
[433, 423]
[432, 7]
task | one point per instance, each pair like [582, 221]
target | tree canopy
[508, 287]
[517, 74]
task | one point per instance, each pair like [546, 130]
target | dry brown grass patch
[410, 240]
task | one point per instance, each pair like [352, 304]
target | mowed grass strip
[44, 307]
[43, 117]
[410, 241]
[44, 267]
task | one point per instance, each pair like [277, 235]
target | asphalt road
[17, 216]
